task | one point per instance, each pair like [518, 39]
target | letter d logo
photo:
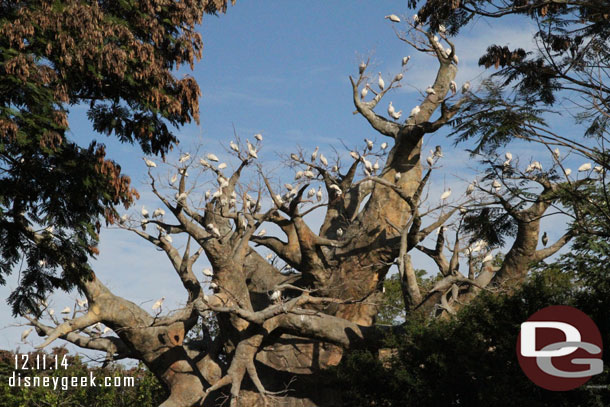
[559, 348]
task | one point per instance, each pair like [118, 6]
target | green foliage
[471, 359]
[146, 390]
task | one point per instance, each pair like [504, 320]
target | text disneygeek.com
[24, 363]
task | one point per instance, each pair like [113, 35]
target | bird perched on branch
[393, 18]
[545, 239]
[361, 68]
[157, 305]
[275, 295]
[149, 163]
[380, 82]
[25, 334]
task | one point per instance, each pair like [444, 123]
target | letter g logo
[555, 344]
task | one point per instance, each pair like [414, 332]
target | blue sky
[281, 68]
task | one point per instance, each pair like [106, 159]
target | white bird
[25, 334]
[415, 18]
[251, 150]
[204, 162]
[323, 160]
[568, 171]
[354, 155]
[336, 188]
[149, 163]
[216, 194]
[314, 155]
[144, 212]
[556, 153]
[309, 174]
[212, 157]
[298, 175]
[397, 177]
[158, 213]
[258, 136]
[319, 194]
[173, 179]
[470, 189]
[430, 160]
[213, 230]
[294, 157]
[398, 77]
[182, 171]
[414, 111]
[334, 168]
[364, 91]
[441, 28]
[261, 233]
[361, 68]
[275, 295]
[213, 286]
[430, 90]
[288, 186]
[234, 146]
[438, 151]
[584, 167]
[181, 197]
[376, 165]
[82, 303]
[339, 232]
[508, 156]
[446, 194]
[51, 311]
[393, 18]
[311, 192]
[65, 310]
[222, 166]
[405, 60]
[391, 109]
[157, 305]
[453, 87]
[279, 199]
[184, 157]
[380, 82]
[208, 272]
[496, 185]
[384, 146]
[465, 87]
[369, 143]
[598, 169]
[396, 115]
[368, 165]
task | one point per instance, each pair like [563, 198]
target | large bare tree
[284, 317]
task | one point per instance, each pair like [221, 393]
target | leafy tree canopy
[116, 56]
